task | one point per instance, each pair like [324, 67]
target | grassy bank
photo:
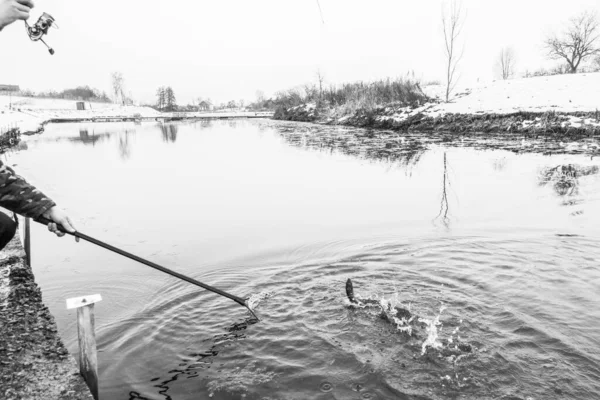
[524, 122]
[313, 102]
[555, 105]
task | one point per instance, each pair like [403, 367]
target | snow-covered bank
[29, 114]
[554, 104]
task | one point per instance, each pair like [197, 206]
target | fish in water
[403, 316]
[400, 313]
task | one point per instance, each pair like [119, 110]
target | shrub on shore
[84, 93]
[348, 98]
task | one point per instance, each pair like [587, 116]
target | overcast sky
[229, 49]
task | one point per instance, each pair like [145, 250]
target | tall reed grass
[349, 98]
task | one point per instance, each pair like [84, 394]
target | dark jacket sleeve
[19, 196]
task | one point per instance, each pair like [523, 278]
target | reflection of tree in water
[90, 139]
[206, 123]
[192, 366]
[565, 178]
[499, 164]
[443, 214]
[124, 146]
[387, 146]
[542, 143]
[169, 132]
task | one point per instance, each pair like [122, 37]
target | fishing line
[320, 12]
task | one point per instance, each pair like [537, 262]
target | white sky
[228, 49]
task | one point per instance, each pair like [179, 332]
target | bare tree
[452, 24]
[577, 42]
[170, 100]
[506, 62]
[260, 96]
[161, 99]
[320, 81]
[118, 84]
[311, 92]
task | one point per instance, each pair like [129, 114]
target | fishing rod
[77, 234]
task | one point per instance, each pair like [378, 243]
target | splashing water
[255, 299]
[387, 308]
[432, 332]
[403, 324]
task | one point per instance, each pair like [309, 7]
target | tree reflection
[169, 132]
[124, 146]
[206, 123]
[385, 146]
[444, 208]
[564, 178]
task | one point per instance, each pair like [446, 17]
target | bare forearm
[13, 10]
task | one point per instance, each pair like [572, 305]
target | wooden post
[88, 357]
[27, 241]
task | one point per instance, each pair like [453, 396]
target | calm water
[503, 247]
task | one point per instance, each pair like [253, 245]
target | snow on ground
[29, 113]
[564, 93]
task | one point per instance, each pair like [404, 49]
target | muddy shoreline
[34, 362]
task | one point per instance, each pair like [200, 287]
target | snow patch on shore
[564, 93]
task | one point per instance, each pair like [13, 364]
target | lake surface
[502, 247]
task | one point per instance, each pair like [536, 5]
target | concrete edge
[34, 362]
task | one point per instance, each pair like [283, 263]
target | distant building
[80, 105]
[204, 106]
[9, 88]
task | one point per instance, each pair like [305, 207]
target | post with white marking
[88, 357]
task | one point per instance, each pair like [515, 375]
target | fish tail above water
[350, 291]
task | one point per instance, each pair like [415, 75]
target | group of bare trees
[118, 89]
[580, 41]
[165, 99]
[506, 63]
[118, 85]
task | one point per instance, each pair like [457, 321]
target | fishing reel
[40, 28]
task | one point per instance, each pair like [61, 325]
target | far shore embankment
[549, 105]
[31, 114]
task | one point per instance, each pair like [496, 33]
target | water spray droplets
[254, 300]
[432, 332]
